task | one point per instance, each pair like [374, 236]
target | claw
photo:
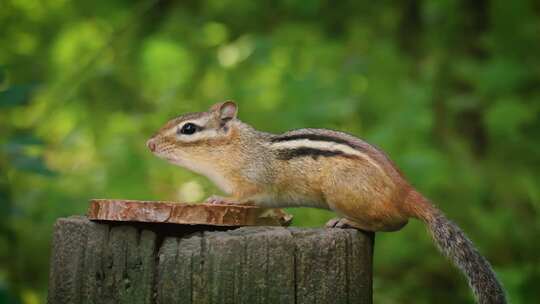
[332, 223]
[338, 223]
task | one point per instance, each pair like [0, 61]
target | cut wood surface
[182, 213]
[115, 262]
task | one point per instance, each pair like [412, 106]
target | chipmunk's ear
[226, 110]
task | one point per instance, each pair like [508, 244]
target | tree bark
[111, 262]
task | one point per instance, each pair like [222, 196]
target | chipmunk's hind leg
[363, 196]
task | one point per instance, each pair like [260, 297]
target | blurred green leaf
[504, 118]
[3, 76]
[31, 164]
[19, 141]
[6, 297]
[16, 95]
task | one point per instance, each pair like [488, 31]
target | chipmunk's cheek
[175, 157]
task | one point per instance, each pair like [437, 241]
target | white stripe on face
[199, 135]
[172, 131]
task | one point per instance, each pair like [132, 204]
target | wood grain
[120, 262]
[182, 213]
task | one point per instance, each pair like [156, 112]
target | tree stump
[109, 262]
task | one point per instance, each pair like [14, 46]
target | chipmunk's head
[197, 140]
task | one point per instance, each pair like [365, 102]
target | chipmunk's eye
[188, 129]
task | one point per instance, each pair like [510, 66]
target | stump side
[131, 263]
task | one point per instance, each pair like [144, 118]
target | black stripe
[286, 154]
[318, 137]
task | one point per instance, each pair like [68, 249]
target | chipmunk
[314, 168]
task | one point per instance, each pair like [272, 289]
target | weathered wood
[106, 262]
[182, 213]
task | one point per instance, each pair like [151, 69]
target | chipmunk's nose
[151, 145]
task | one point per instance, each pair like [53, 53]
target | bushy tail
[454, 244]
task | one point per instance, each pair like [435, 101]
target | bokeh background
[450, 89]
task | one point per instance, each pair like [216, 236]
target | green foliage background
[450, 89]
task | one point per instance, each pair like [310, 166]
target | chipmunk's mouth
[166, 152]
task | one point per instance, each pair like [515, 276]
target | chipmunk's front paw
[219, 200]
